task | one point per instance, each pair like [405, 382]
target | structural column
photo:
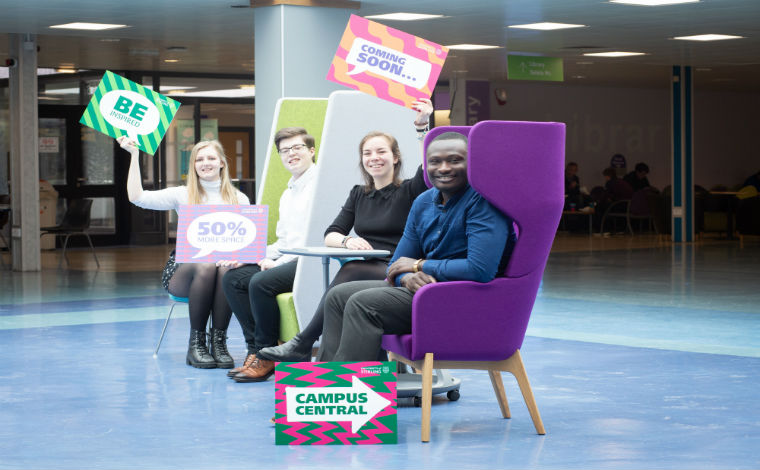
[294, 43]
[682, 167]
[25, 172]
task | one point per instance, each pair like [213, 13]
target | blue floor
[645, 358]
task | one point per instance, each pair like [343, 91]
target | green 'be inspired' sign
[122, 107]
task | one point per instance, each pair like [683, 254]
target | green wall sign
[523, 67]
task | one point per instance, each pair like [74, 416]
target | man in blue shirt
[452, 233]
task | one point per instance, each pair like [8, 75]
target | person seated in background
[576, 196]
[452, 233]
[638, 177]
[252, 289]
[572, 183]
[615, 188]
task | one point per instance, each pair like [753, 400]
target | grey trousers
[358, 314]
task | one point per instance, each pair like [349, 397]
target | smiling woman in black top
[377, 212]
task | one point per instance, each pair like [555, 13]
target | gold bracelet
[416, 266]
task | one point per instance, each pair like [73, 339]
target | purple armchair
[518, 167]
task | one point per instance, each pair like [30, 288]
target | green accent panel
[309, 114]
[288, 320]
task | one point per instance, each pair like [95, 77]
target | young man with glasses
[251, 289]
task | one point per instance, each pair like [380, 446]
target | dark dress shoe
[259, 371]
[297, 349]
[248, 361]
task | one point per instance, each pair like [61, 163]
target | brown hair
[369, 182]
[195, 192]
[288, 132]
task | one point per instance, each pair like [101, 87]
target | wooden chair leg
[517, 368]
[427, 395]
[498, 388]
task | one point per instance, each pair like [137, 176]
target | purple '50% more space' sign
[210, 233]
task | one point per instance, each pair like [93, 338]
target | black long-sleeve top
[379, 215]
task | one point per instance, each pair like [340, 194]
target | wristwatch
[416, 265]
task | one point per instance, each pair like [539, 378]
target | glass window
[97, 157]
[102, 217]
[52, 136]
[57, 91]
[5, 143]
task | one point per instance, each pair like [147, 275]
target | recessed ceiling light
[171, 61]
[232, 93]
[65, 71]
[653, 3]
[165, 88]
[613, 54]
[62, 91]
[707, 37]
[403, 16]
[88, 26]
[471, 47]
[547, 26]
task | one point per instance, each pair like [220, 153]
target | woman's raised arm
[134, 180]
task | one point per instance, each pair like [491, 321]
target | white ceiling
[219, 38]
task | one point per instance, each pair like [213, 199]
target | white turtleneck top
[172, 198]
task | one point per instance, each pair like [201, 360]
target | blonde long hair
[195, 192]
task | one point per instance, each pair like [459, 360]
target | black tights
[201, 283]
[361, 270]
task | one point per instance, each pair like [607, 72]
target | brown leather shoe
[248, 361]
[259, 371]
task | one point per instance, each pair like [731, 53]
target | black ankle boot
[219, 349]
[197, 351]
[298, 349]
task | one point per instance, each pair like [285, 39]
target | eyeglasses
[295, 148]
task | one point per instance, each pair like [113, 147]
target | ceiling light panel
[708, 37]
[471, 47]
[614, 54]
[403, 17]
[653, 3]
[88, 26]
[547, 26]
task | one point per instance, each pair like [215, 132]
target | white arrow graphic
[357, 403]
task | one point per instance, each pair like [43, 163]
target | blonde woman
[208, 182]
